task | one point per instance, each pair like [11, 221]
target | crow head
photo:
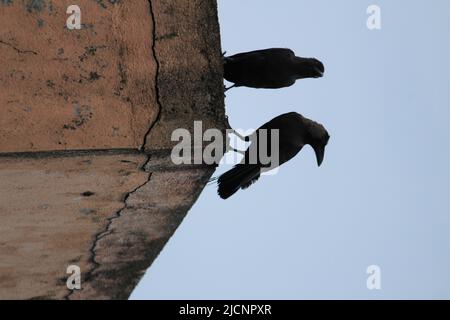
[309, 68]
[318, 139]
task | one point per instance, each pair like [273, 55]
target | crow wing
[262, 54]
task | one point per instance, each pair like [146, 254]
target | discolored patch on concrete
[50, 210]
[64, 89]
[139, 232]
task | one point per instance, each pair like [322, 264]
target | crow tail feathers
[241, 176]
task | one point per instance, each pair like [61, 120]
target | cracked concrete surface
[46, 221]
[191, 29]
[85, 125]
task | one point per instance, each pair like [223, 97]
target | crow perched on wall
[295, 131]
[270, 68]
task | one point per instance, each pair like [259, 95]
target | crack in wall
[107, 231]
[17, 49]
[69, 153]
[158, 69]
[118, 214]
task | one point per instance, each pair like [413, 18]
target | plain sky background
[382, 196]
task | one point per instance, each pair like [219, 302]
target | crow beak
[320, 153]
[319, 68]
[320, 72]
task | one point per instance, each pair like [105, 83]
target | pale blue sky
[382, 194]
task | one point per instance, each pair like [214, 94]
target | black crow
[270, 68]
[295, 131]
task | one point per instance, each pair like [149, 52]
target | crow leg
[226, 89]
[228, 140]
[228, 147]
[242, 152]
[228, 127]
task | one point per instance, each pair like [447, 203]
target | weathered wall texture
[190, 76]
[75, 89]
[50, 209]
[85, 123]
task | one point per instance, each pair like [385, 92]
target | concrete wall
[85, 123]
